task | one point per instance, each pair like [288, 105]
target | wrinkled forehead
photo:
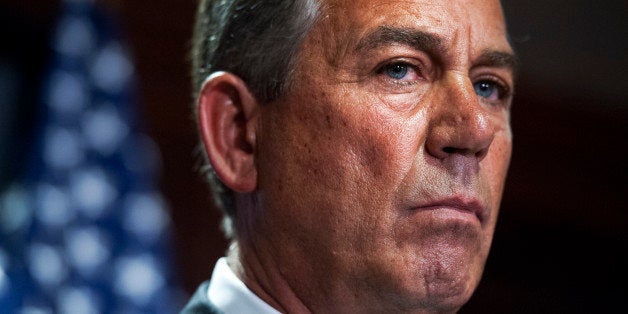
[429, 13]
[480, 23]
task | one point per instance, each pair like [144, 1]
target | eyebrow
[430, 43]
[386, 35]
[498, 59]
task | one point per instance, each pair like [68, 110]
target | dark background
[561, 241]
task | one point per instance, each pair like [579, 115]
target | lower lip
[448, 213]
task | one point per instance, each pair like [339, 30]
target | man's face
[381, 171]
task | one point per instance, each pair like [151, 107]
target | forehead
[478, 24]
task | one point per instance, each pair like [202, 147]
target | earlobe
[228, 114]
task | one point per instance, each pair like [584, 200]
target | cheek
[387, 135]
[382, 144]
[496, 164]
[337, 161]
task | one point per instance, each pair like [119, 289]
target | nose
[459, 125]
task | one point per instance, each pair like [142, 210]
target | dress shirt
[230, 295]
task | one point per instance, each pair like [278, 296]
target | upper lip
[466, 204]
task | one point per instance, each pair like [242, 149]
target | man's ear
[228, 114]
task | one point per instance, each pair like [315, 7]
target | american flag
[86, 229]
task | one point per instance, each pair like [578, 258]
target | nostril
[449, 150]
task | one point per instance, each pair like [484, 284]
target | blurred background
[561, 241]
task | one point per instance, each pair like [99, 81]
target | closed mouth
[462, 204]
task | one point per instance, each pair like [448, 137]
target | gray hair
[257, 40]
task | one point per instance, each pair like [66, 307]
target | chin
[441, 285]
[448, 298]
[439, 298]
[444, 300]
[449, 285]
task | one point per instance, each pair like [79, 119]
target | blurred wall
[160, 34]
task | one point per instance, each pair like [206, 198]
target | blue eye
[396, 71]
[486, 89]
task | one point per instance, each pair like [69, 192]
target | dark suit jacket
[199, 303]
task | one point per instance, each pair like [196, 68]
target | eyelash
[409, 66]
[502, 88]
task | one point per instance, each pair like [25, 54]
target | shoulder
[199, 303]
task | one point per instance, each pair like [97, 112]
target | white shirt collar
[230, 295]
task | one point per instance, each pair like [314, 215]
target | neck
[262, 277]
